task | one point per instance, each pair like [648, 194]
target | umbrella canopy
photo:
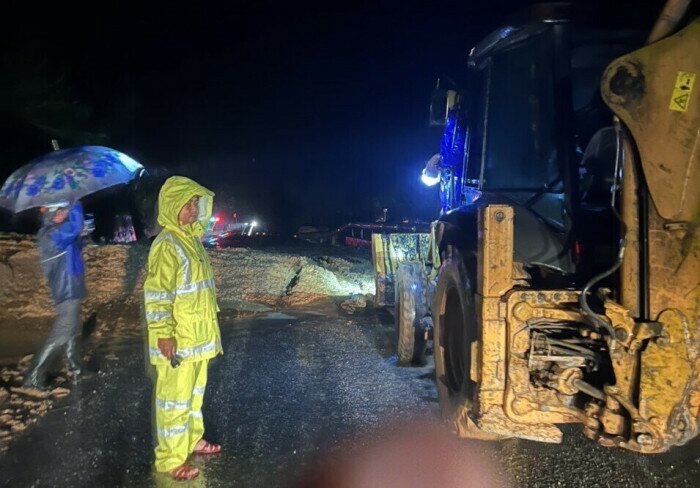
[66, 175]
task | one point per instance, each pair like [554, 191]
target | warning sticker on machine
[682, 91]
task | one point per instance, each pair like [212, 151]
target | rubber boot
[35, 376]
[75, 362]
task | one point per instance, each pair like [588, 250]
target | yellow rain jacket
[179, 292]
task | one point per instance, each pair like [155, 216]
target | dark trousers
[67, 322]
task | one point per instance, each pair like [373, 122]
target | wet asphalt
[291, 388]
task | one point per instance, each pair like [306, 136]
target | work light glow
[429, 180]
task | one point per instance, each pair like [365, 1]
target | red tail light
[578, 252]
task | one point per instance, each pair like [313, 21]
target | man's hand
[168, 347]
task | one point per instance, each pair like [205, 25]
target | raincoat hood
[47, 218]
[175, 193]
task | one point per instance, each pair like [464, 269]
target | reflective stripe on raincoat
[179, 292]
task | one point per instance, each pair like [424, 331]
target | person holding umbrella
[183, 330]
[60, 250]
[51, 182]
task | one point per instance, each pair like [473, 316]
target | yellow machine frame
[654, 402]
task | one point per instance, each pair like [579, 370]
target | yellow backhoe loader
[563, 276]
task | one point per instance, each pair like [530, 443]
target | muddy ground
[309, 394]
[248, 281]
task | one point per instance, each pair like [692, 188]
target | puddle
[317, 314]
[278, 316]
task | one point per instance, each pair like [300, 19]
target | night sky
[299, 116]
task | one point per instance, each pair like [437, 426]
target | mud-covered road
[291, 388]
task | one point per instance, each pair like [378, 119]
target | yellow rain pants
[178, 406]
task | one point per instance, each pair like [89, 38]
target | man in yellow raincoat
[183, 331]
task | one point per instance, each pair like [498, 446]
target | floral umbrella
[67, 175]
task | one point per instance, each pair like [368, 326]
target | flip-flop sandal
[184, 473]
[208, 448]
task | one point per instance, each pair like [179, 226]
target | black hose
[572, 347]
[598, 320]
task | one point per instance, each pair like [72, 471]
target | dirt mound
[284, 278]
[246, 279]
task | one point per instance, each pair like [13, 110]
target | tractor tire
[454, 329]
[411, 308]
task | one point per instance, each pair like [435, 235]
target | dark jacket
[60, 249]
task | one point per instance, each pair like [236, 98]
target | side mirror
[441, 101]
